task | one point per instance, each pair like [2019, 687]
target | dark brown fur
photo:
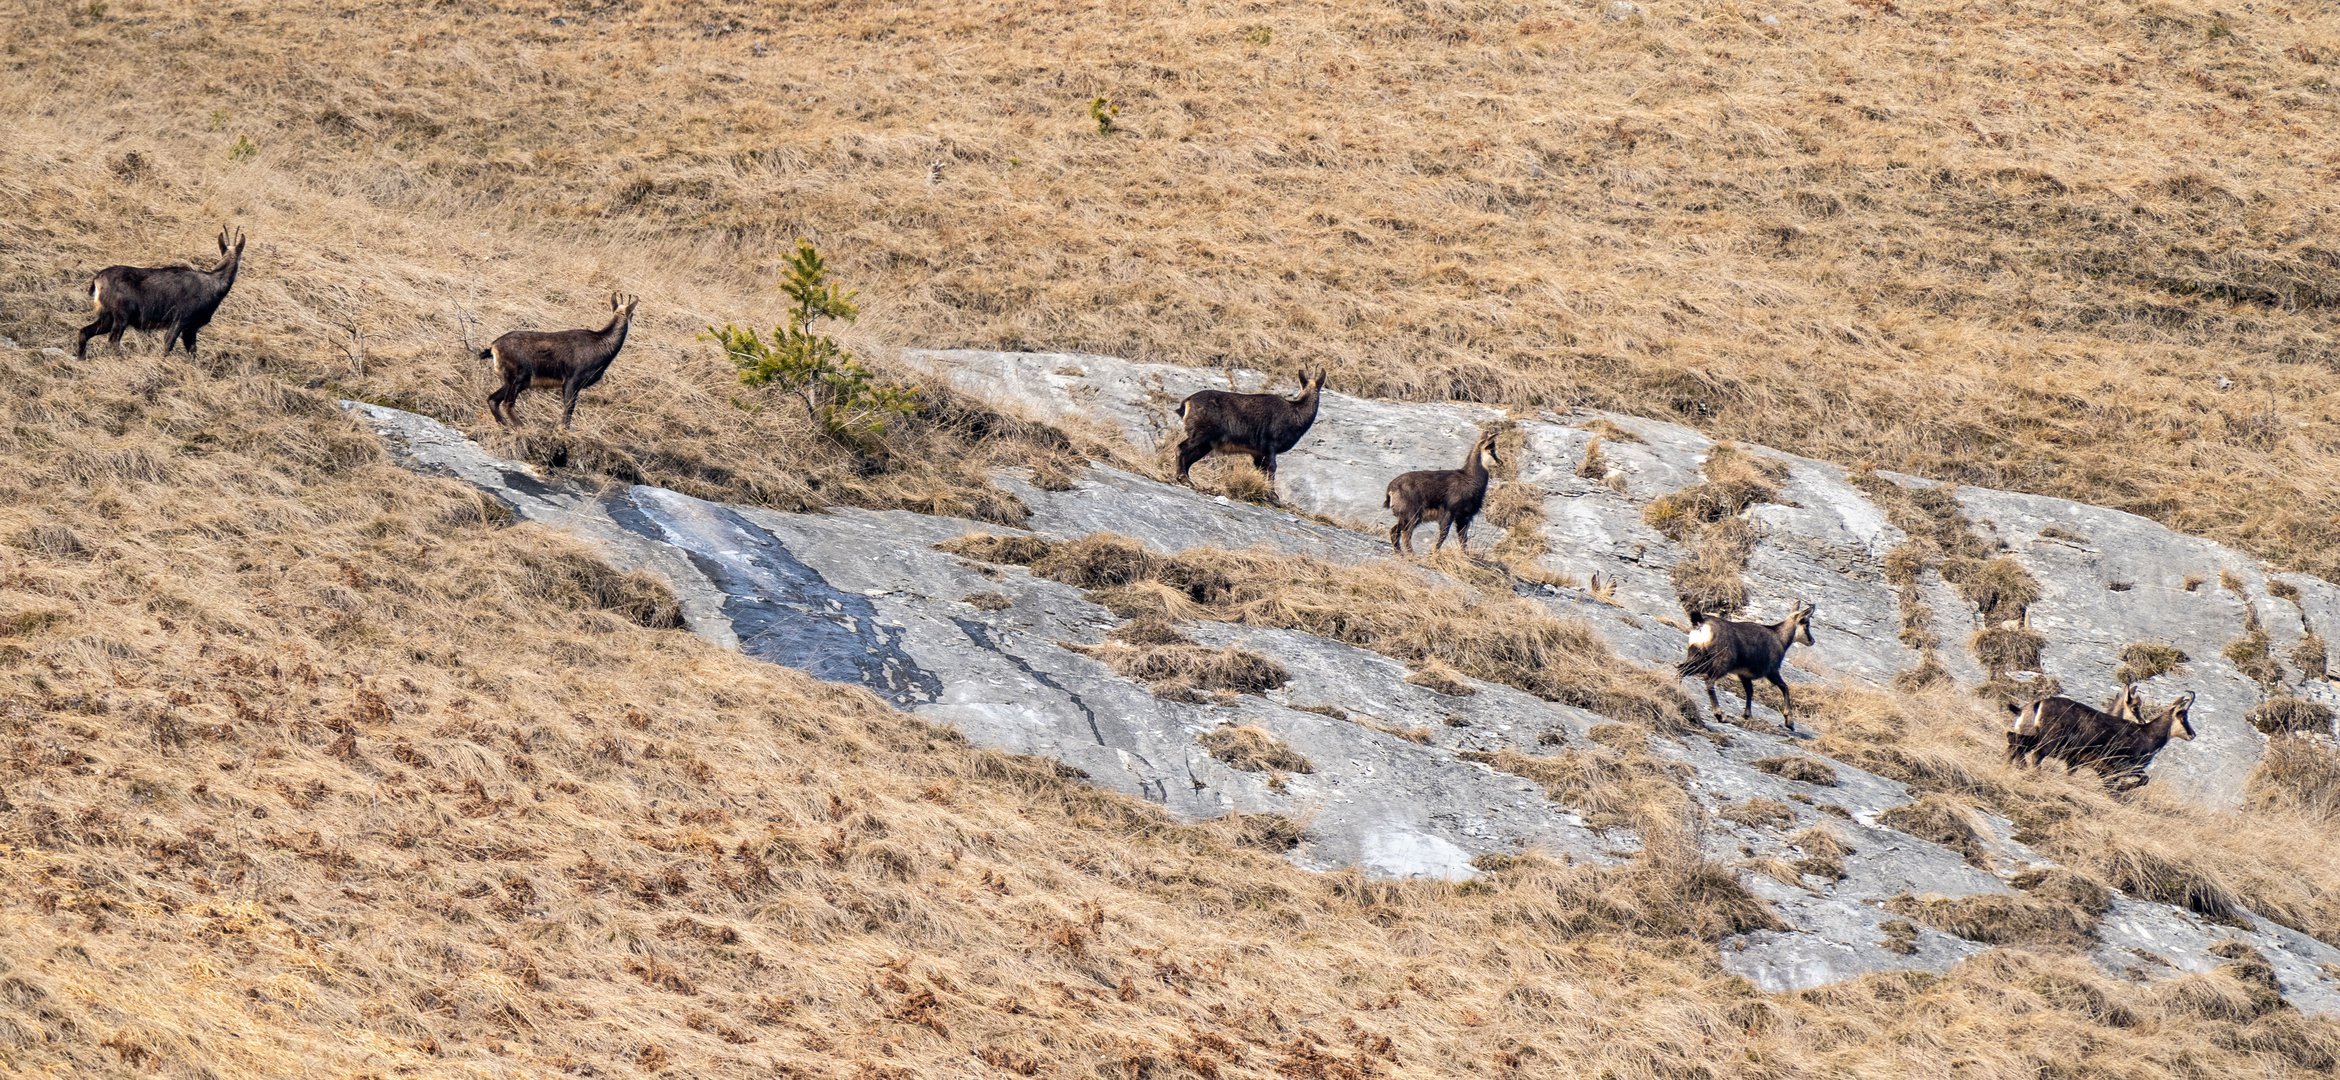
[180, 299]
[2118, 745]
[1453, 496]
[1746, 651]
[572, 360]
[1258, 425]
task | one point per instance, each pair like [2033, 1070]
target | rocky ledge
[1397, 783]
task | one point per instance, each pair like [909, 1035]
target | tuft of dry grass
[2310, 658]
[1188, 672]
[2142, 660]
[1388, 607]
[1253, 750]
[1942, 820]
[1822, 853]
[1618, 786]
[1437, 675]
[2299, 774]
[1735, 480]
[2285, 714]
[2002, 920]
[1760, 813]
[1797, 767]
[2006, 649]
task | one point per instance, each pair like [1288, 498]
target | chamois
[1750, 651]
[2117, 747]
[2034, 719]
[180, 299]
[1453, 496]
[1260, 425]
[572, 360]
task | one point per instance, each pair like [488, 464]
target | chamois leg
[1747, 691]
[1787, 705]
[1189, 452]
[104, 323]
[569, 402]
[1397, 533]
[1713, 703]
[1462, 533]
[1444, 523]
[114, 338]
[186, 334]
[1265, 463]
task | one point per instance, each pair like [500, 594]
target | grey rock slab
[2156, 939]
[862, 597]
[1340, 469]
[2087, 620]
[1168, 518]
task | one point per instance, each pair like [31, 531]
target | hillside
[313, 765]
[2070, 249]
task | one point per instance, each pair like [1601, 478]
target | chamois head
[1484, 452]
[1800, 624]
[2180, 725]
[624, 305]
[229, 252]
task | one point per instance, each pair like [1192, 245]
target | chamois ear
[239, 241]
[223, 240]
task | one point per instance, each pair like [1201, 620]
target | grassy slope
[2009, 244]
[309, 762]
[312, 764]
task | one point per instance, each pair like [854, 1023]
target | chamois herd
[2118, 742]
[2118, 745]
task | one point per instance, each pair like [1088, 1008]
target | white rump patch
[1703, 636]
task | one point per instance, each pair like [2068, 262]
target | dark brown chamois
[1259, 425]
[2062, 714]
[2117, 747]
[180, 299]
[1453, 496]
[572, 360]
[1721, 648]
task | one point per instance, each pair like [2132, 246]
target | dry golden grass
[2070, 248]
[313, 767]
[1387, 606]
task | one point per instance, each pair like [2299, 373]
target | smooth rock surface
[863, 597]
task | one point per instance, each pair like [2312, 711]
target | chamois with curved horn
[1720, 648]
[571, 360]
[2118, 747]
[180, 299]
[2033, 720]
[1453, 496]
[1258, 425]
